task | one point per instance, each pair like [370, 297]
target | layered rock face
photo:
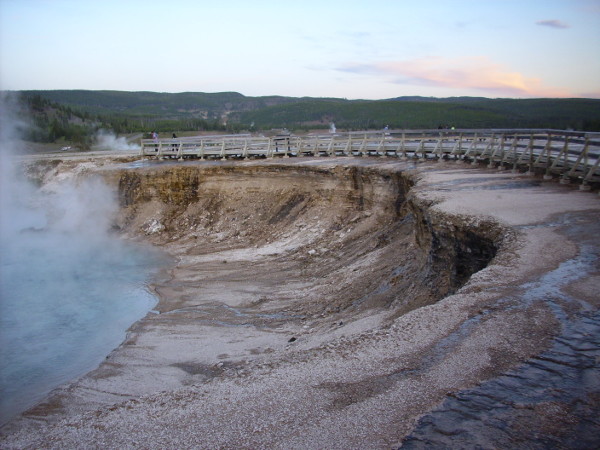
[356, 225]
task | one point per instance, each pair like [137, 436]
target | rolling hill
[141, 111]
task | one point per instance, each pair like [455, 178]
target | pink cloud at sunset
[469, 73]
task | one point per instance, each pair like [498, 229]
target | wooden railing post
[403, 146]
[513, 152]
[547, 151]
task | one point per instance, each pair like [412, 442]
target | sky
[355, 49]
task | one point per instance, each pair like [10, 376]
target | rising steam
[68, 288]
[106, 140]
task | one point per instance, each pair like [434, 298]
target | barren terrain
[330, 303]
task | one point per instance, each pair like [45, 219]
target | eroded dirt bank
[319, 303]
[313, 224]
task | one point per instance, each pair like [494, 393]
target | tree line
[78, 123]
[51, 121]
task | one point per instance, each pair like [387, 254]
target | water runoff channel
[565, 379]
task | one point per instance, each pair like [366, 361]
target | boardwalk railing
[569, 155]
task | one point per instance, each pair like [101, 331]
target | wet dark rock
[550, 401]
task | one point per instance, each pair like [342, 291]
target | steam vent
[345, 301]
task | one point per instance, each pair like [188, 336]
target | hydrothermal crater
[346, 238]
[330, 303]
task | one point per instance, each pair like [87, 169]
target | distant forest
[76, 115]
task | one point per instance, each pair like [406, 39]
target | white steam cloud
[15, 192]
[86, 207]
[106, 140]
[68, 204]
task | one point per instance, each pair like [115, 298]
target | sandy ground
[243, 352]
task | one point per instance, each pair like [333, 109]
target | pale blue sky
[368, 49]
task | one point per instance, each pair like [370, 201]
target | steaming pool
[65, 304]
[69, 289]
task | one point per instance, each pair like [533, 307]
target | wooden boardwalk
[569, 155]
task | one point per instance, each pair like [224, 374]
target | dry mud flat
[344, 303]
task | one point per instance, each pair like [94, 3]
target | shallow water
[551, 400]
[65, 303]
[69, 288]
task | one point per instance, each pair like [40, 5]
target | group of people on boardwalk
[155, 136]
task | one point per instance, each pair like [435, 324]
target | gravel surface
[274, 343]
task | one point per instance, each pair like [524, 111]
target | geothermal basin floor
[308, 307]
